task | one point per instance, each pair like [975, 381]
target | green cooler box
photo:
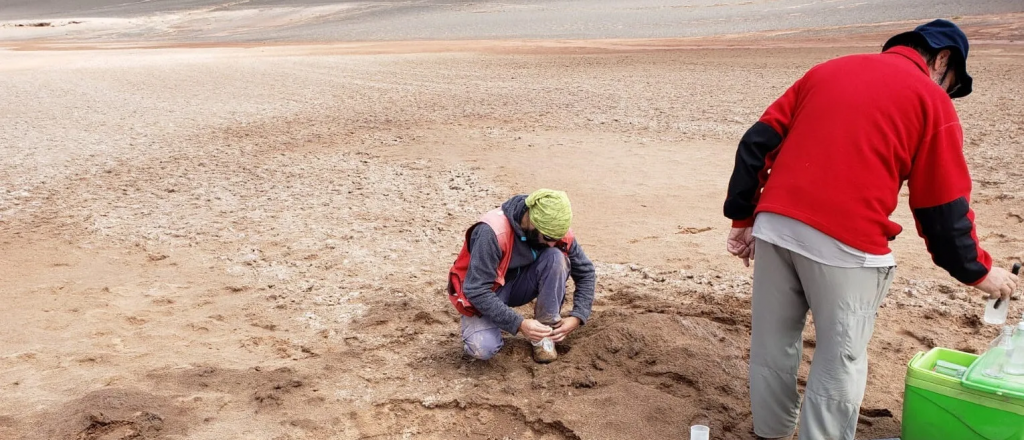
[940, 407]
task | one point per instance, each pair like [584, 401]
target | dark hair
[918, 43]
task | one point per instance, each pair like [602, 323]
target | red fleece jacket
[840, 143]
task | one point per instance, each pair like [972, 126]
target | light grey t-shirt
[799, 237]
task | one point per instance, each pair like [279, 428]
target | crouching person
[521, 252]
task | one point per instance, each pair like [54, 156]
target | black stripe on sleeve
[760, 140]
[949, 234]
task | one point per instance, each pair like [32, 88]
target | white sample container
[700, 432]
[993, 315]
[997, 316]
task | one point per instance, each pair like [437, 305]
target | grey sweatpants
[844, 302]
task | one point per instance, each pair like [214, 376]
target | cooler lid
[1007, 385]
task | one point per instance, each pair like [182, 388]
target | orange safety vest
[506, 238]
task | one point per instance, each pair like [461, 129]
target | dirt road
[251, 242]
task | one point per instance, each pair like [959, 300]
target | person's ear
[942, 60]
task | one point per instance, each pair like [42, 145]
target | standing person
[821, 171]
[523, 251]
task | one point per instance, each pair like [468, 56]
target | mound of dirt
[649, 362]
[111, 414]
[691, 359]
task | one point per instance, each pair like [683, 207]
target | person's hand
[534, 330]
[999, 283]
[564, 327]
[741, 244]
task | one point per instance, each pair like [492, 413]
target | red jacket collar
[912, 55]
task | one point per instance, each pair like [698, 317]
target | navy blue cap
[942, 34]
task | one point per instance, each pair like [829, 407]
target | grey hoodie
[485, 255]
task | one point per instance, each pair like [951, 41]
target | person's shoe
[545, 352]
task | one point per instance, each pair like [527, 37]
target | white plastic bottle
[995, 309]
[996, 315]
[700, 432]
[1015, 365]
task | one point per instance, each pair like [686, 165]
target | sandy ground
[251, 242]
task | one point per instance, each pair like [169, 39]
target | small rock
[583, 381]
[98, 418]
[647, 276]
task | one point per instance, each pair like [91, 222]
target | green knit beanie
[550, 212]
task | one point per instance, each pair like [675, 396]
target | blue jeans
[544, 280]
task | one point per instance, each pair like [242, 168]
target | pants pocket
[858, 327]
[885, 277]
[856, 333]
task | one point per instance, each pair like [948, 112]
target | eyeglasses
[953, 88]
[540, 237]
[956, 86]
